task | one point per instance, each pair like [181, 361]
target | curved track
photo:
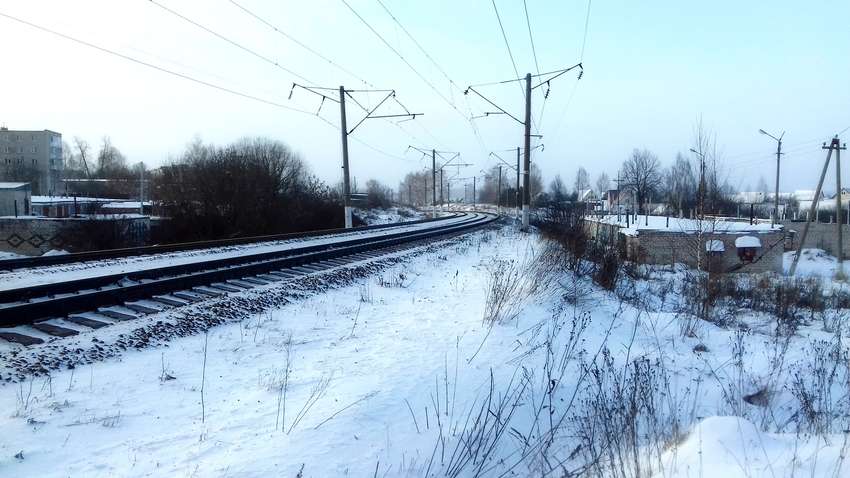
[126, 295]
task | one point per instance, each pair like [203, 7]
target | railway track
[65, 307]
[42, 261]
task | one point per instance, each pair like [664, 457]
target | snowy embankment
[480, 359]
[390, 215]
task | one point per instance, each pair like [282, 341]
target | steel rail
[63, 298]
[41, 261]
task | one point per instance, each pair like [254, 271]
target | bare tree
[603, 184]
[377, 195]
[681, 185]
[557, 189]
[111, 162]
[582, 180]
[82, 153]
[642, 174]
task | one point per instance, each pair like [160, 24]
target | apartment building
[32, 156]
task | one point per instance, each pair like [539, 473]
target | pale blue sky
[651, 69]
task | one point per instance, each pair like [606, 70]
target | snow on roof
[125, 205]
[747, 241]
[684, 226]
[8, 185]
[714, 245]
[64, 199]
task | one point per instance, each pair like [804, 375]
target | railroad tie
[141, 308]
[207, 291]
[90, 323]
[168, 300]
[224, 287]
[117, 314]
[22, 339]
[54, 330]
[186, 296]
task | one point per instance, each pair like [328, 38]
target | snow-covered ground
[390, 215]
[400, 373]
[42, 275]
[814, 263]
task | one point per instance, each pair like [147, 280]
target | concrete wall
[658, 247]
[821, 236]
[35, 236]
[663, 247]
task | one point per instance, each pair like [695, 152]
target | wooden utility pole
[526, 197]
[834, 145]
[473, 192]
[838, 216]
[346, 186]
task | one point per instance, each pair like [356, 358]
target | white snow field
[400, 375]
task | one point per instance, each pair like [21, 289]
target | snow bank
[734, 447]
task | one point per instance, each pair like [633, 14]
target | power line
[586, 23]
[434, 62]
[505, 37]
[228, 40]
[387, 44]
[530, 37]
[539, 124]
[155, 67]
[299, 43]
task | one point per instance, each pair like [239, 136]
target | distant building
[32, 156]
[15, 199]
[749, 197]
[715, 244]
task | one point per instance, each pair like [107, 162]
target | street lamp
[775, 216]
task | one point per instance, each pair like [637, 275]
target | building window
[748, 247]
[34, 149]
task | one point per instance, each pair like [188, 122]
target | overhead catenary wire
[419, 46]
[300, 43]
[403, 59]
[230, 41]
[584, 37]
[192, 79]
[155, 67]
[507, 44]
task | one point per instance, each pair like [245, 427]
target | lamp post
[774, 218]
